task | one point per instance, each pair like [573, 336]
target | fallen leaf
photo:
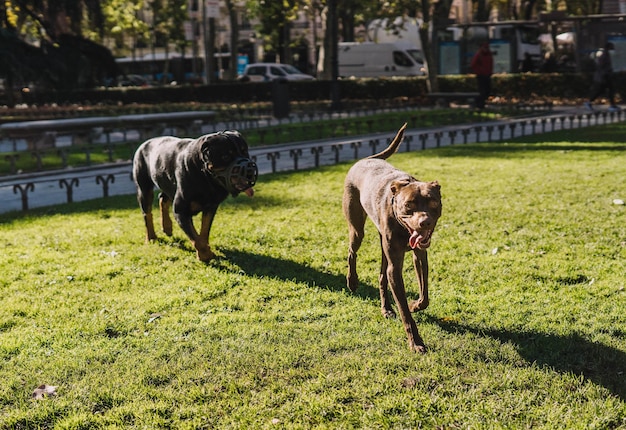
[154, 316]
[44, 391]
[410, 382]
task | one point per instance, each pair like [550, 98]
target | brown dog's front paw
[416, 344]
[418, 305]
[352, 282]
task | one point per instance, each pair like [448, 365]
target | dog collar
[393, 210]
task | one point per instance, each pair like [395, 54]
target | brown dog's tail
[393, 146]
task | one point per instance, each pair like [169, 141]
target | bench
[444, 98]
[42, 134]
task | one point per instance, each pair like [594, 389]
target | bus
[170, 68]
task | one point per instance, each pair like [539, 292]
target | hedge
[521, 86]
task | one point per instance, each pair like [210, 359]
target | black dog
[195, 175]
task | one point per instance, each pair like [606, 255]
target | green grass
[526, 327]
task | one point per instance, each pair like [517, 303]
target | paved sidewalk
[22, 192]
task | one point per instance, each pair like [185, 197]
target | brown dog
[405, 212]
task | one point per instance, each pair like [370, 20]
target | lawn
[526, 327]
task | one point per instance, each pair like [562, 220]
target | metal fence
[22, 192]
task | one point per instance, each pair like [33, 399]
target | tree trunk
[9, 87]
[429, 61]
[234, 40]
[209, 51]
[325, 71]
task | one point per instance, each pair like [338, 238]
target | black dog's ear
[397, 185]
[233, 133]
[218, 151]
[207, 150]
[238, 142]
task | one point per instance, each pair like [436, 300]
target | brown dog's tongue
[414, 239]
[249, 192]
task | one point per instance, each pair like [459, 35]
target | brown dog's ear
[396, 185]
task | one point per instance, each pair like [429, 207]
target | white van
[370, 59]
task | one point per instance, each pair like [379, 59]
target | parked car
[132, 81]
[257, 72]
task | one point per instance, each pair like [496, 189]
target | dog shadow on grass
[595, 362]
[265, 265]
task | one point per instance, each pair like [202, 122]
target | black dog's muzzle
[240, 175]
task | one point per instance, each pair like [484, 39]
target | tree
[168, 17]
[434, 16]
[347, 11]
[581, 7]
[275, 17]
[234, 39]
[43, 43]
[482, 10]
[432, 22]
[121, 23]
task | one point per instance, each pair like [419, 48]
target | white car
[258, 72]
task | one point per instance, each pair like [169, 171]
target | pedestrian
[482, 66]
[527, 65]
[603, 78]
[549, 63]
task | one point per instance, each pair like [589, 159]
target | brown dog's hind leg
[383, 282]
[352, 279]
[356, 216]
[355, 238]
[166, 222]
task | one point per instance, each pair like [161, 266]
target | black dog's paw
[205, 255]
[419, 349]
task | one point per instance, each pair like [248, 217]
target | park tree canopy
[42, 43]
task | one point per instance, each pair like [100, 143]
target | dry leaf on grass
[44, 391]
[153, 317]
